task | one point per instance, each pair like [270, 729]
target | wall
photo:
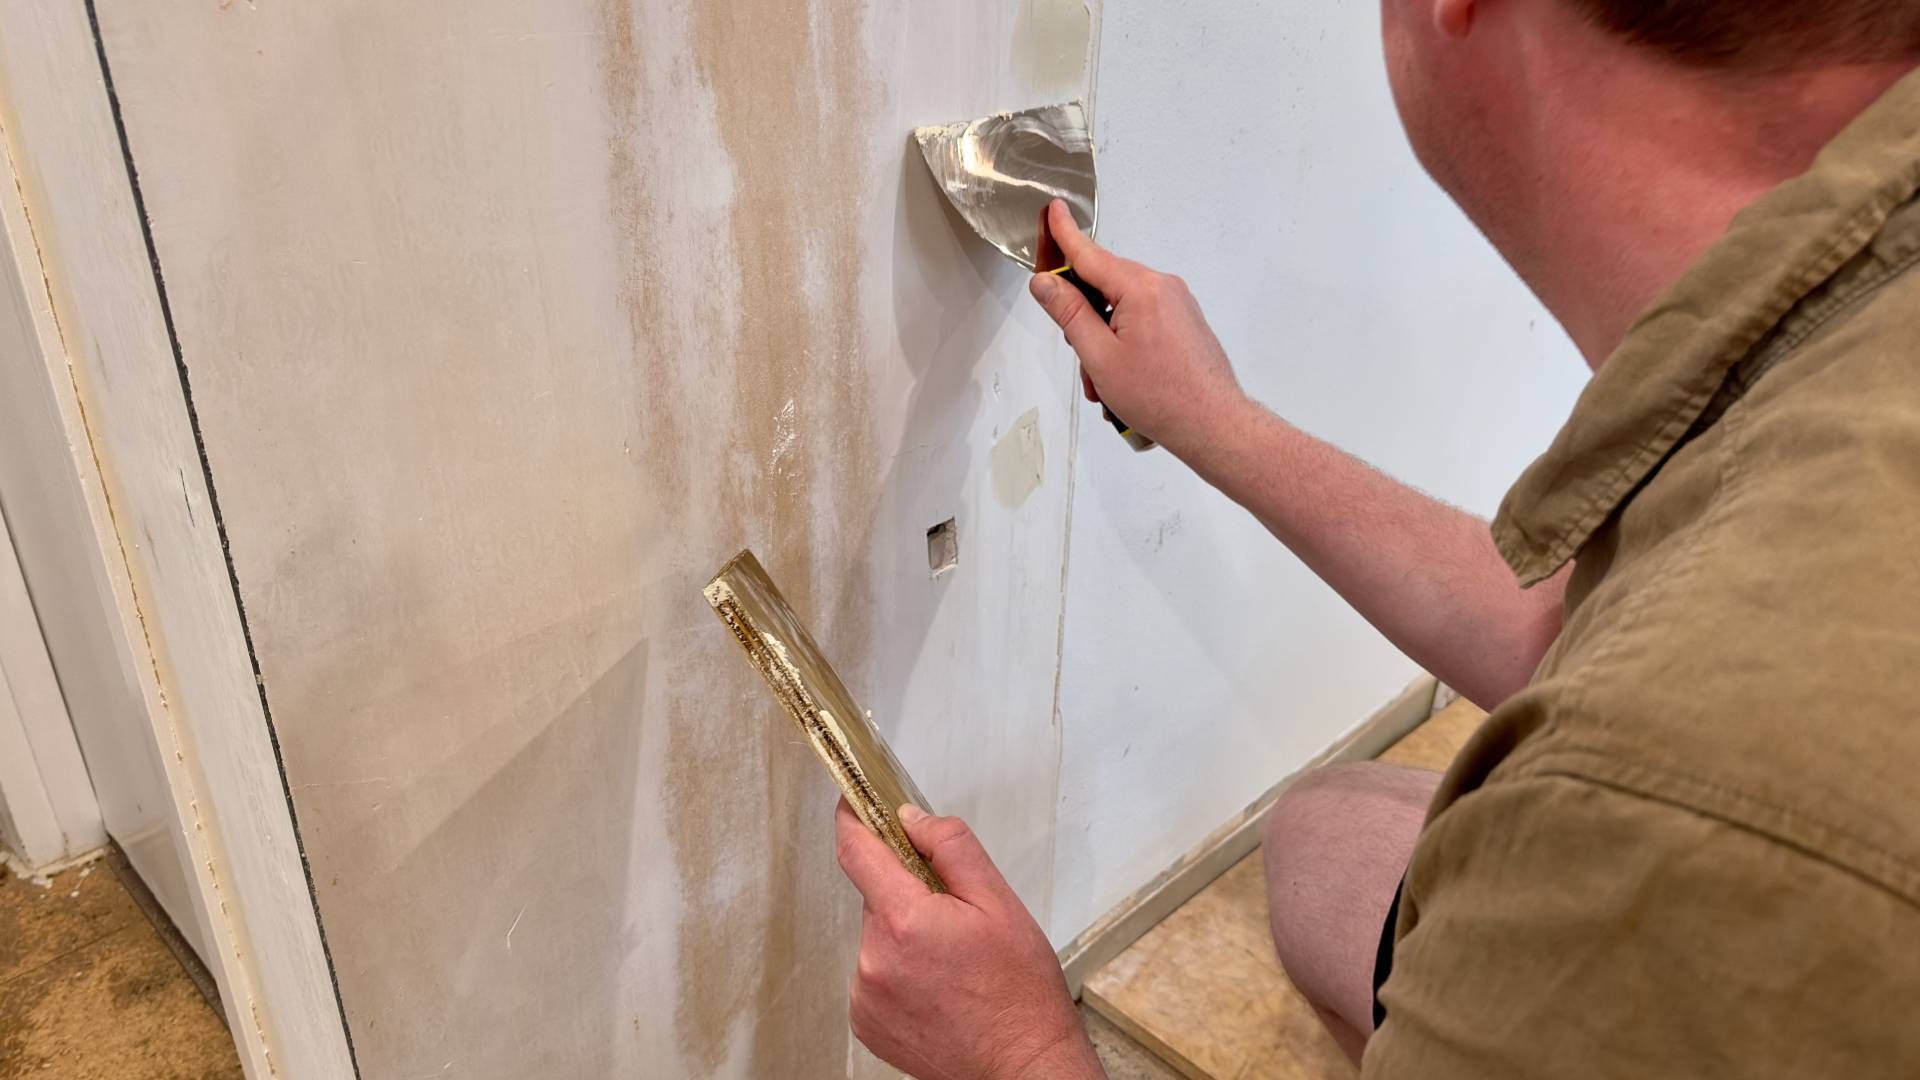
[1252, 148]
[504, 324]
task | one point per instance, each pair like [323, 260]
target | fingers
[871, 865]
[956, 855]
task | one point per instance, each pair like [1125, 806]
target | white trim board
[108, 357]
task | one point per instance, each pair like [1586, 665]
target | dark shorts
[1383, 956]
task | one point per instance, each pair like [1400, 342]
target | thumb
[1089, 335]
[955, 854]
[1101, 268]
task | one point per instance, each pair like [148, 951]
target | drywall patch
[1050, 47]
[1019, 461]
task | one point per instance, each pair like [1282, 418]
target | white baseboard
[1231, 842]
[12, 862]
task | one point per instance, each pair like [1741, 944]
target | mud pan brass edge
[842, 734]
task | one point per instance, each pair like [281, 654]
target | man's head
[1456, 65]
[1529, 112]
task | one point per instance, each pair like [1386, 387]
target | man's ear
[1454, 18]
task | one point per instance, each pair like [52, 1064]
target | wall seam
[219, 521]
[1066, 539]
[1060, 662]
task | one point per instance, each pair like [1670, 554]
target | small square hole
[943, 548]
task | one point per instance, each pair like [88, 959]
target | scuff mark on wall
[1019, 460]
[784, 435]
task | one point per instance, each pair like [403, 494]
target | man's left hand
[961, 985]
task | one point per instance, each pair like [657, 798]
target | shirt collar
[1649, 393]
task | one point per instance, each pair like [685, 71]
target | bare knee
[1339, 815]
[1325, 840]
[1336, 845]
[1328, 797]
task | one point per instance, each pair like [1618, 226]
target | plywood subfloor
[90, 990]
[1120, 1055]
[1204, 991]
[1433, 744]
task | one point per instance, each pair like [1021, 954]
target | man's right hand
[1158, 365]
[1424, 573]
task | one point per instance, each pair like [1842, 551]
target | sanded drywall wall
[1252, 148]
[505, 324]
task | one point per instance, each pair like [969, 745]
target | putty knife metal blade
[1000, 172]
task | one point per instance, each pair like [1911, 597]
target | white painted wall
[1252, 148]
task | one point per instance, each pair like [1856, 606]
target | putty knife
[1001, 171]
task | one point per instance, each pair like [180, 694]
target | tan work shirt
[1691, 847]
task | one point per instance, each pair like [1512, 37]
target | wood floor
[1203, 991]
[91, 989]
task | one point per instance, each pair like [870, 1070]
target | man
[1687, 842]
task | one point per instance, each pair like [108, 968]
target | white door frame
[48, 814]
[107, 359]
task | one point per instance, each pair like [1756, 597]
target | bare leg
[1337, 844]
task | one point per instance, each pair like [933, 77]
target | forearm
[1425, 574]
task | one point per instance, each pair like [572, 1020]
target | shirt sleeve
[1553, 926]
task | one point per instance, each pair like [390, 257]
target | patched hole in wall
[943, 548]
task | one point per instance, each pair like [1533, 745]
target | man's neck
[1641, 166]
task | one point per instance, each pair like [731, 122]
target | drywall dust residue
[781, 455]
[784, 434]
[1018, 461]
[634, 197]
[1050, 43]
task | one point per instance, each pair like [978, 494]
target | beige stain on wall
[1019, 460]
[767, 921]
[643, 279]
